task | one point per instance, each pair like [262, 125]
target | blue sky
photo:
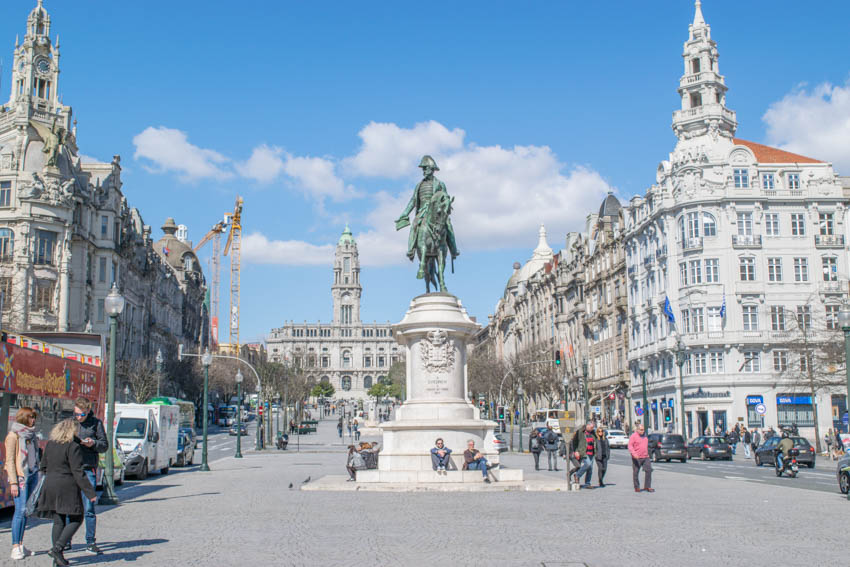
[318, 112]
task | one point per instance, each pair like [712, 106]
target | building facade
[346, 352]
[67, 232]
[734, 255]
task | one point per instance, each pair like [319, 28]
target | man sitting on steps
[440, 456]
[474, 460]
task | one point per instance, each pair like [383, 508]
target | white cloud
[88, 159]
[264, 165]
[257, 249]
[814, 123]
[169, 150]
[316, 176]
[389, 151]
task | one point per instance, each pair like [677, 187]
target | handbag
[32, 499]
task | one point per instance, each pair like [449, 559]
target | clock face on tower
[43, 66]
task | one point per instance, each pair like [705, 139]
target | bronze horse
[432, 243]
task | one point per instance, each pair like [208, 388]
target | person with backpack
[535, 447]
[550, 443]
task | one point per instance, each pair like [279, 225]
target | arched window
[367, 382]
[709, 225]
[187, 263]
[383, 380]
[346, 359]
[346, 383]
[7, 243]
[325, 380]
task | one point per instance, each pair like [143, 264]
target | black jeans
[536, 455]
[601, 467]
[64, 528]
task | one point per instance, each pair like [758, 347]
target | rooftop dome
[542, 255]
[176, 253]
[347, 237]
[610, 206]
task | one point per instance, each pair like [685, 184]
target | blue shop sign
[795, 400]
[755, 400]
[669, 403]
[654, 405]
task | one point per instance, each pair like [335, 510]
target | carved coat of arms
[437, 352]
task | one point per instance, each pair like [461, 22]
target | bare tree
[140, 374]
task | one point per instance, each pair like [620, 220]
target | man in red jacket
[639, 450]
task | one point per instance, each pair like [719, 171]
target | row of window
[344, 332]
[741, 178]
[747, 269]
[346, 381]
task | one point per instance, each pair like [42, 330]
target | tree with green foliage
[323, 390]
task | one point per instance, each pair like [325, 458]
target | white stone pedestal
[435, 331]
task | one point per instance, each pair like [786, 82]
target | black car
[667, 446]
[190, 431]
[185, 450]
[709, 448]
[765, 452]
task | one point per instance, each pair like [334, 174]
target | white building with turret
[346, 352]
[748, 243]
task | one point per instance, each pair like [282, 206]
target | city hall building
[346, 352]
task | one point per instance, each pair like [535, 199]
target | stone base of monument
[435, 332]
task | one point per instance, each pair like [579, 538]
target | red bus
[47, 376]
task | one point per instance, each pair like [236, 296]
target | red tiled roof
[766, 154]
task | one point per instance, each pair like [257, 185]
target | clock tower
[35, 71]
[346, 288]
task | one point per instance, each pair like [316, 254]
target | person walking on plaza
[639, 450]
[756, 439]
[474, 460]
[92, 441]
[829, 438]
[747, 440]
[440, 456]
[66, 477]
[583, 447]
[550, 443]
[339, 427]
[356, 430]
[732, 439]
[22, 471]
[602, 452]
[535, 447]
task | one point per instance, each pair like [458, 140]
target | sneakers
[487, 480]
[93, 549]
[67, 547]
[18, 552]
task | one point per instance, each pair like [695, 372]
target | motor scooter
[789, 464]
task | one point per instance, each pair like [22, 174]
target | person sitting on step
[474, 460]
[440, 456]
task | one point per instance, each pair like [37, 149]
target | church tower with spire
[35, 70]
[702, 88]
[346, 289]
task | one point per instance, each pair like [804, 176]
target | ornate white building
[346, 352]
[746, 241]
[66, 230]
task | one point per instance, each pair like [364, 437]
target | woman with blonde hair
[22, 472]
[60, 496]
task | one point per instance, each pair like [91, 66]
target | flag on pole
[723, 307]
[668, 310]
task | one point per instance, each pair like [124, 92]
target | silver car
[843, 476]
[617, 438]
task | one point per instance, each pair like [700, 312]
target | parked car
[842, 475]
[709, 448]
[185, 450]
[500, 442]
[765, 453]
[617, 438]
[667, 446]
[242, 429]
[190, 431]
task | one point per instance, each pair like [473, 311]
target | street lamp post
[844, 321]
[238, 414]
[520, 393]
[680, 361]
[566, 384]
[584, 391]
[114, 305]
[158, 369]
[643, 365]
[206, 360]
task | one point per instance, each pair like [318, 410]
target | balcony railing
[829, 240]
[631, 270]
[648, 261]
[661, 252]
[836, 286]
[691, 244]
[746, 240]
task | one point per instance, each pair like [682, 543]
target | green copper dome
[347, 237]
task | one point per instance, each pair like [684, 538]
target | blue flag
[723, 307]
[669, 311]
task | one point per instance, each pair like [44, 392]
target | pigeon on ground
[306, 480]
[290, 485]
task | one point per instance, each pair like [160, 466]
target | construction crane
[234, 246]
[215, 263]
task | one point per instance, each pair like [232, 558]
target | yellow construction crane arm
[235, 222]
[217, 229]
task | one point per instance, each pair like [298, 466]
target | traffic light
[668, 415]
[557, 357]
[500, 412]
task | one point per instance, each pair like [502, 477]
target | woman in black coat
[601, 452]
[62, 465]
[535, 446]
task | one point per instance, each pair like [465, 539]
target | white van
[147, 433]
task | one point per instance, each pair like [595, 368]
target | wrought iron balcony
[829, 240]
[746, 240]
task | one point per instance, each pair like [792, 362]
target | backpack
[535, 443]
